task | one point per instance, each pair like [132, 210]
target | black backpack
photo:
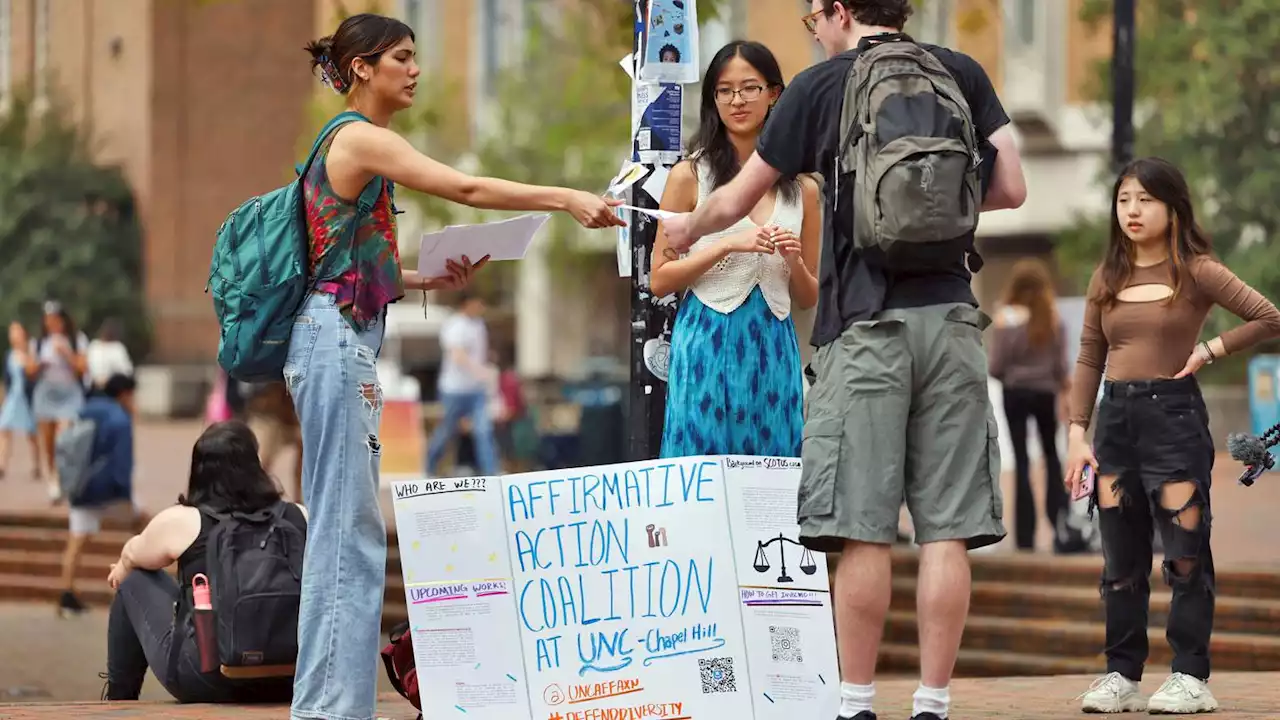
[254, 565]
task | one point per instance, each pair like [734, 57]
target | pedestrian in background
[1028, 355]
[16, 417]
[270, 415]
[467, 389]
[108, 492]
[107, 355]
[59, 383]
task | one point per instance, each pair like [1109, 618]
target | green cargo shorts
[900, 411]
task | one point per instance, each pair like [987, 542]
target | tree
[1207, 87]
[68, 226]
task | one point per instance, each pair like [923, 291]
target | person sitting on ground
[108, 493]
[226, 476]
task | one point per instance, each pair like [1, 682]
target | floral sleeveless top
[372, 279]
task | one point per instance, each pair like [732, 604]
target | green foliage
[69, 228]
[562, 118]
[1206, 79]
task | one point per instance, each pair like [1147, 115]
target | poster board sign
[657, 590]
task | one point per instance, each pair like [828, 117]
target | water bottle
[203, 619]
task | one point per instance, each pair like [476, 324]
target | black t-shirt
[802, 135]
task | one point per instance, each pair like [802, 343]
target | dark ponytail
[364, 36]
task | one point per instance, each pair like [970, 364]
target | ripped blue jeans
[332, 375]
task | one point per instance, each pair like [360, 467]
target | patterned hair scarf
[329, 75]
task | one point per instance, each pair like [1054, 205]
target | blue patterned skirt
[734, 385]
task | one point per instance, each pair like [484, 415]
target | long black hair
[711, 143]
[1187, 240]
[226, 473]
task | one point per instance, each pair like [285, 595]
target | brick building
[201, 103]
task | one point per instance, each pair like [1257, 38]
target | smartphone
[1085, 489]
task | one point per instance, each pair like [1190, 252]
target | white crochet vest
[730, 281]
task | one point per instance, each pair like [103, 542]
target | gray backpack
[908, 139]
[73, 458]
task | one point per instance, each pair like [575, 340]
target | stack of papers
[501, 240]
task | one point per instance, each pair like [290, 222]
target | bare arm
[361, 151]
[733, 201]
[673, 275]
[79, 363]
[804, 274]
[163, 540]
[1008, 189]
[30, 362]
[668, 276]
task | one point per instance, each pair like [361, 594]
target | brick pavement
[1245, 527]
[1243, 695]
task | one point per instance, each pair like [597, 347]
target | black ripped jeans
[1151, 434]
[1019, 406]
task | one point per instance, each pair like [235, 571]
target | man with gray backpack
[912, 143]
[94, 459]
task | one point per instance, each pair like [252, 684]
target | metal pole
[1122, 82]
[646, 402]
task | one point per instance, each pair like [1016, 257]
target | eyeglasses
[811, 21]
[750, 93]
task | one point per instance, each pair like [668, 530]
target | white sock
[932, 700]
[855, 698]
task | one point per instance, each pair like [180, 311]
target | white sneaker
[1182, 694]
[1112, 693]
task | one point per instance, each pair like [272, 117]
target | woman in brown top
[1028, 356]
[1146, 306]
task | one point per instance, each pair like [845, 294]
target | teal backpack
[260, 273]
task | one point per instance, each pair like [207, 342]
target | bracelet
[1207, 353]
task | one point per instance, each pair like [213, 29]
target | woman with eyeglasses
[734, 380]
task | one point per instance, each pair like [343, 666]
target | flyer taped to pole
[670, 50]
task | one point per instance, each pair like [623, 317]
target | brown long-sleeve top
[1149, 340]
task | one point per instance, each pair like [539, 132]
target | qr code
[785, 642]
[717, 675]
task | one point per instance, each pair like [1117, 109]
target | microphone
[1252, 451]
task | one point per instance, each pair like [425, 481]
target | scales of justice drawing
[761, 563]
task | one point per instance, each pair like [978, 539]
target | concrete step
[98, 595]
[48, 539]
[1084, 641]
[92, 568]
[898, 657]
[1085, 571]
[55, 517]
[1018, 600]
